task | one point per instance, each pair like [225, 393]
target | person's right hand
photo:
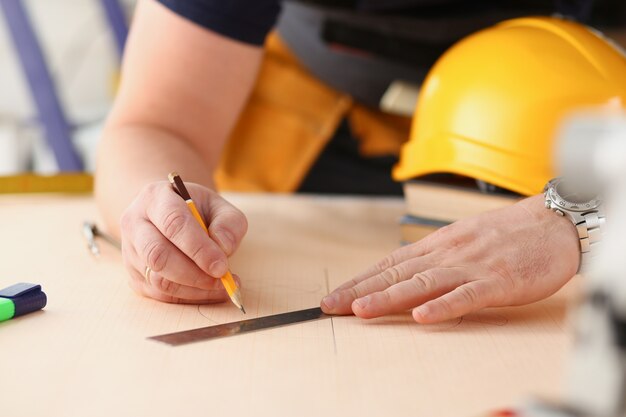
[158, 231]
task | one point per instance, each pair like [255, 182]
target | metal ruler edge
[240, 327]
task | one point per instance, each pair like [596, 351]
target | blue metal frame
[42, 87]
[117, 21]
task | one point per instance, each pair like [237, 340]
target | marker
[227, 280]
[20, 299]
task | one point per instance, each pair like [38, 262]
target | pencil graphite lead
[237, 300]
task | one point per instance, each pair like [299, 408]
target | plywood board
[86, 354]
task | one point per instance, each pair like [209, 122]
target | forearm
[131, 157]
[181, 92]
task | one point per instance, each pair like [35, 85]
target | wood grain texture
[87, 354]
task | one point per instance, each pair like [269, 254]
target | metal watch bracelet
[590, 232]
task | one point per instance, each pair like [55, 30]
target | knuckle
[355, 292]
[493, 234]
[455, 242]
[203, 256]
[502, 271]
[196, 253]
[233, 211]
[352, 282]
[451, 237]
[212, 194]
[174, 224]
[422, 282]
[150, 190]
[386, 263]
[469, 294]
[166, 286]
[392, 275]
[230, 217]
[444, 232]
[156, 254]
[425, 244]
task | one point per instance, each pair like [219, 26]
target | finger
[155, 251]
[227, 224]
[172, 218]
[417, 290]
[340, 300]
[396, 257]
[463, 300]
[155, 286]
[154, 294]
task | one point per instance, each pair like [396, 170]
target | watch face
[567, 196]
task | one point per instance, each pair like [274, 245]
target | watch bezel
[560, 202]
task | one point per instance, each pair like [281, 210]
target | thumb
[227, 224]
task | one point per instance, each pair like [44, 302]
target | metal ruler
[240, 327]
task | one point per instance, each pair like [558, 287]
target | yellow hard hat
[491, 105]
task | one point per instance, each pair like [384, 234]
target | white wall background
[81, 54]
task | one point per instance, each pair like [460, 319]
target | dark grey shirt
[361, 46]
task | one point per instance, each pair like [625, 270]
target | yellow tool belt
[287, 122]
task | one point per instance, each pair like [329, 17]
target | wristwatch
[585, 210]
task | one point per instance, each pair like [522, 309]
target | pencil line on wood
[332, 323]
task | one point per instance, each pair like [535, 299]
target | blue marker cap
[25, 298]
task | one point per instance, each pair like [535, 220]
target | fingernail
[226, 240]
[422, 310]
[218, 269]
[363, 302]
[330, 301]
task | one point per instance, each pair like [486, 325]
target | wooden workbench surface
[86, 354]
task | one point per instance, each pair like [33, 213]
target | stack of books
[437, 201]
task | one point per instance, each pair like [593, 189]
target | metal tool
[91, 232]
[240, 327]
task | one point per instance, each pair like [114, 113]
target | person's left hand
[512, 256]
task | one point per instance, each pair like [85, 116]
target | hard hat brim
[457, 155]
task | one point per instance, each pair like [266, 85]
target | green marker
[20, 299]
[7, 309]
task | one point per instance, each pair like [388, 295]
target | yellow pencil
[227, 280]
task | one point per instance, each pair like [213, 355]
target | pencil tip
[171, 176]
[243, 310]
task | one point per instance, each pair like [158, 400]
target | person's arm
[182, 89]
[511, 256]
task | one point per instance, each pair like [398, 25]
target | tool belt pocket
[288, 120]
